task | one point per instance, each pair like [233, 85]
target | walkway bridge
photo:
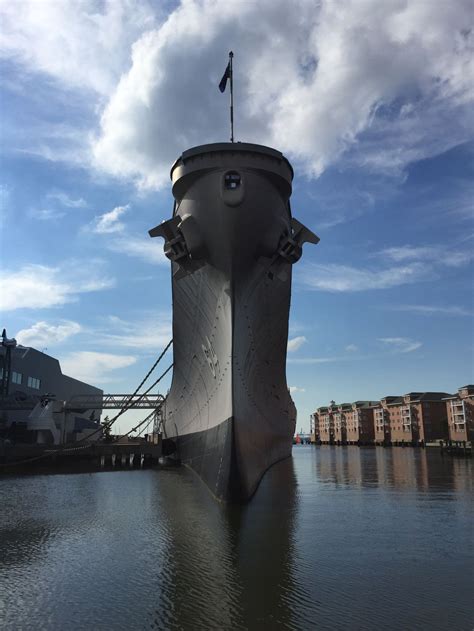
[80, 403]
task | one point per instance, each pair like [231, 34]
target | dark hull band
[212, 456]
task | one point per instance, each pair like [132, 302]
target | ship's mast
[231, 56]
[229, 74]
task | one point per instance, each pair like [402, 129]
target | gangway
[88, 402]
[114, 402]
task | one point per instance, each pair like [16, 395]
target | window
[231, 180]
[16, 377]
[33, 382]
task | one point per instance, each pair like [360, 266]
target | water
[335, 538]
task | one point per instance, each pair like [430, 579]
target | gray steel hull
[229, 410]
[229, 414]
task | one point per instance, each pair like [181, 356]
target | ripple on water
[333, 539]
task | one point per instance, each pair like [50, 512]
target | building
[324, 422]
[27, 374]
[416, 418]
[460, 413]
[339, 416]
[383, 418]
[314, 427]
[412, 419]
[360, 423]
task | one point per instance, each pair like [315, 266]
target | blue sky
[372, 103]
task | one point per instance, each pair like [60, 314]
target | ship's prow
[232, 242]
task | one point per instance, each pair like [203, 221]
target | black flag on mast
[225, 76]
[228, 74]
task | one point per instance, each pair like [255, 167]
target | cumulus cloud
[94, 367]
[340, 278]
[41, 287]
[375, 83]
[400, 344]
[369, 76]
[144, 248]
[109, 222]
[352, 348]
[296, 343]
[80, 44]
[44, 334]
[296, 389]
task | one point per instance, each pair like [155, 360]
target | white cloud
[94, 367]
[41, 287]
[44, 334]
[146, 249]
[76, 43]
[137, 246]
[65, 200]
[451, 258]
[110, 222]
[45, 214]
[418, 263]
[315, 360]
[378, 77]
[296, 343]
[296, 389]
[339, 278]
[56, 142]
[153, 333]
[337, 205]
[429, 310]
[51, 211]
[400, 344]
[352, 348]
[376, 83]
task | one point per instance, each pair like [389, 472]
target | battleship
[232, 242]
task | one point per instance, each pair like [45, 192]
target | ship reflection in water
[335, 538]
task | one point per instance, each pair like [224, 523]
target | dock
[113, 456]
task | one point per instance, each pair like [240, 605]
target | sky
[372, 102]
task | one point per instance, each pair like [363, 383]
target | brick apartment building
[360, 423]
[412, 419]
[419, 418]
[324, 425]
[344, 423]
[460, 413]
[339, 413]
[384, 416]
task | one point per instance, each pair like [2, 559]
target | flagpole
[231, 55]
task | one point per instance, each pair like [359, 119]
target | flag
[225, 76]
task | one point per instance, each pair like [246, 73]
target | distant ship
[232, 242]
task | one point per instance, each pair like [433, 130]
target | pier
[111, 456]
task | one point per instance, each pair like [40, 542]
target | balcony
[458, 412]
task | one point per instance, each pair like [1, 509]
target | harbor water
[335, 538]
